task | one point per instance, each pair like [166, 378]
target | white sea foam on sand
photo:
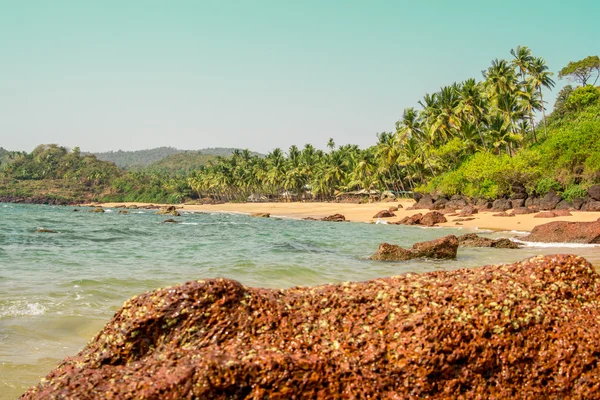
[558, 245]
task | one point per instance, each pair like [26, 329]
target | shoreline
[484, 220]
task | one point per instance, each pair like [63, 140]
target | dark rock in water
[170, 221]
[474, 240]
[426, 202]
[97, 210]
[432, 218]
[123, 212]
[311, 219]
[528, 330]
[522, 210]
[169, 210]
[334, 218]
[591, 206]
[384, 214]
[443, 248]
[501, 205]
[504, 243]
[260, 215]
[594, 192]
[565, 232]
[43, 230]
[75, 210]
[550, 200]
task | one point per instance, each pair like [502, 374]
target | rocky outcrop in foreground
[565, 232]
[524, 330]
[444, 248]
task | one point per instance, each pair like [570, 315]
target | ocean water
[57, 290]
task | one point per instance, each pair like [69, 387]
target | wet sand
[366, 212]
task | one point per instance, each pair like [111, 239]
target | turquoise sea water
[57, 290]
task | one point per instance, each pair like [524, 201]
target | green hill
[143, 158]
[177, 164]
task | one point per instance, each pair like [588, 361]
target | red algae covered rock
[565, 232]
[524, 330]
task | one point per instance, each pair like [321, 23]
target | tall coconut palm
[541, 77]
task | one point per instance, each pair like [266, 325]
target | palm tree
[540, 77]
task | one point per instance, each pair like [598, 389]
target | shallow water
[58, 290]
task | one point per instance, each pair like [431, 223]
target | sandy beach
[365, 213]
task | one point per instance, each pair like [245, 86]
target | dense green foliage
[582, 71]
[475, 138]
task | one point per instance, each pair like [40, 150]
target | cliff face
[524, 330]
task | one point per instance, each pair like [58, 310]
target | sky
[258, 74]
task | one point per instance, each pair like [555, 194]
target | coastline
[364, 213]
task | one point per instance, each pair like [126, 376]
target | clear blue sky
[258, 74]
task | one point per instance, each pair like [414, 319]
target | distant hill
[143, 158]
[177, 164]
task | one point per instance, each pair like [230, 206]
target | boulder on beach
[440, 249]
[528, 330]
[392, 209]
[410, 220]
[169, 210]
[425, 202]
[384, 214]
[432, 218]
[429, 219]
[503, 214]
[550, 200]
[522, 211]
[501, 205]
[553, 214]
[594, 192]
[334, 218]
[474, 240]
[565, 232]
[467, 211]
[132, 207]
[591, 206]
